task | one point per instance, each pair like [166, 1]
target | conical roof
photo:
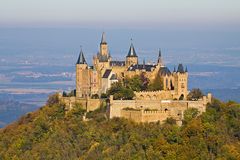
[160, 61]
[131, 52]
[180, 68]
[81, 59]
[103, 41]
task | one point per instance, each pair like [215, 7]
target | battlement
[148, 110]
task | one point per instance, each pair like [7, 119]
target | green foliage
[53, 99]
[136, 83]
[103, 95]
[95, 96]
[70, 94]
[156, 84]
[195, 94]
[120, 92]
[189, 114]
[50, 133]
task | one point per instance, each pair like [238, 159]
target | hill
[11, 110]
[51, 133]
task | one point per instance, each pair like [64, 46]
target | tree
[195, 94]
[189, 114]
[120, 92]
[53, 99]
[156, 84]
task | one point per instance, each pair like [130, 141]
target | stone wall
[174, 108]
[86, 103]
[154, 95]
[145, 116]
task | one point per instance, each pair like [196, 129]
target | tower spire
[81, 58]
[160, 61]
[103, 40]
[132, 52]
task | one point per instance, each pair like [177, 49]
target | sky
[176, 14]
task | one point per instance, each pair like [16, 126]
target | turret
[181, 82]
[82, 77]
[104, 47]
[131, 57]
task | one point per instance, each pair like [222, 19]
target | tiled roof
[131, 52]
[107, 73]
[81, 59]
[102, 58]
[164, 71]
[147, 67]
[117, 63]
[180, 68]
[103, 40]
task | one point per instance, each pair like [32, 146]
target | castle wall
[154, 95]
[145, 116]
[173, 108]
[87, 104]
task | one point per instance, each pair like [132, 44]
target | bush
[95, 96]
[53, 99]
[195, 94]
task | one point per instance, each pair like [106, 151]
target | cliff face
[51, 133]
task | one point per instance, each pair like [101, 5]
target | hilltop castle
[146, 106]
[97, 79]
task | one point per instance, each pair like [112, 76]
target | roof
[107, 73]
[180, 68]
[164, 71]
[147, 67]
[102, 58]
[81, 59]
[103, 40]
[117, 63]
[131, 52]
[160, 61]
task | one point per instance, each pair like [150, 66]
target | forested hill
[51, 133]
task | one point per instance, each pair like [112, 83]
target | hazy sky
[121, 13]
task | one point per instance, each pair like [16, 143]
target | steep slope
[51, 133]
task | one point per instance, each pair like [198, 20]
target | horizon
[135, 14]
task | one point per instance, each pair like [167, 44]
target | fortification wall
[145, 116]
[133, 115]
[154, 95]
[173, 108]
[117, 105]
[87, 104]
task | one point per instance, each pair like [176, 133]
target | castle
[147, 106]
[97, 79]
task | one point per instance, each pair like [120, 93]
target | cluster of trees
[51, 133]
[195, 94]
[125, 89]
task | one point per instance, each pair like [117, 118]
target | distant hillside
[12, 110]
[51, 133]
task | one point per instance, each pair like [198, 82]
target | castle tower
[132, 57]
[82, 77]
[103, 58]
[104, 46]
[181, 83]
